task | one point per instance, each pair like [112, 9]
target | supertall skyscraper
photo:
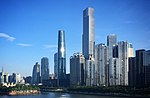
[61, 58]
[88, 45]
[88, 37]
[44, 68]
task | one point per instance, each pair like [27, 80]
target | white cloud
[4, 35]
[50, 46]
[24, 45]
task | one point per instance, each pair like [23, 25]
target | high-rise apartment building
[61, 59]
[44, 68]
[77, 70]
[90, 72]
[114, 72]
[101, 66]
[56, 65]
[36, 74]
[125, 50]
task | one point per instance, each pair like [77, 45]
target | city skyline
[32, 34]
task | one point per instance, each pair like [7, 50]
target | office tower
[16, 78]
[114, 72]
[111, 42]
[36, 74]
[28, 79]
[146, 63]
[88, 42]
[61, 58]
[132, 70]
[88, 45]
[101, 66]
[139, 68]
[56, 65]
[111, 39]
[44, 68]
[77, 69]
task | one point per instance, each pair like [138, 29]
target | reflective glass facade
[61, 58]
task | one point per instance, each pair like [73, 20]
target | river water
[59, 95]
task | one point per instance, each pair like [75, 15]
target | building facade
[36, 74]
[77, 70]
[61, 58]
[44, 68]
[88, 37]
[101, 66]
[56, 65]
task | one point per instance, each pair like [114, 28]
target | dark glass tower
[44, 68]
[61, 59]
[36, 74]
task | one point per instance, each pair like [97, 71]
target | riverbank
[111, 91]
[19, 90]
[23, 92]
[110, 94]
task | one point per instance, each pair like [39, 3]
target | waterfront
[59, 95]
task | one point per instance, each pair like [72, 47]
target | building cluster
[98, 65]
[59, 78]
[107, 65]
[11, 79]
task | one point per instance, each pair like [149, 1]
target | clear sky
[29, 28]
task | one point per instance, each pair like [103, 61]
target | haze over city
[29, 29]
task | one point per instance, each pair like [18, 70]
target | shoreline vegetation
[120, 91]
[123, 91]
[19, 90]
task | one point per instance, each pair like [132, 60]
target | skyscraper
[111, 42]
[88, 45]
[56, 65]
[146, 63]
[140, 68]
[44, 69]
[114, 72]
[111, 39]
[77, 69]
[125, 50]
[36, 74]
[61, 58]
[101, 64]
[88, 42]
[132, 70]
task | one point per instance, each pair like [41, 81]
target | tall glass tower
[88, 42]
[44, 68]
[36, 74]
[61, 59]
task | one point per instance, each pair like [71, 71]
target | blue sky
[29, 28]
